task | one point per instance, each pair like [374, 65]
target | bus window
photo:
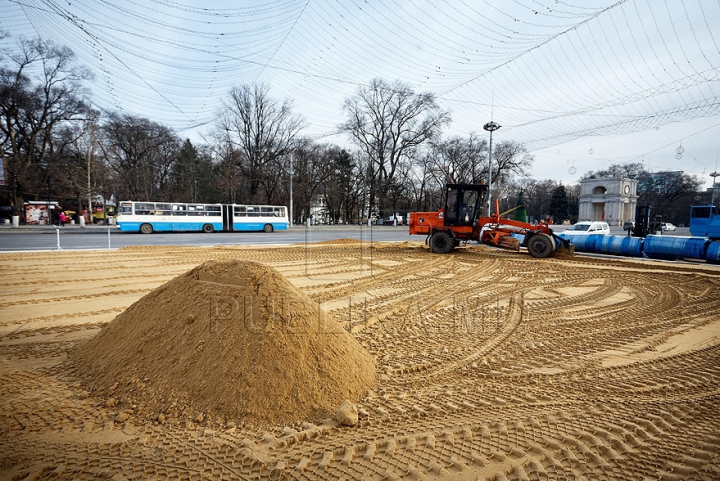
[179, 209]
[126, 208]
[239, 211]
[279, 212]
[163, 209]
[253, 211]
[144, 209]
[196, 209]
[266, 211]
[214, 210]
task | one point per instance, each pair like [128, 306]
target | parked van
[587, 228]
[390, 220]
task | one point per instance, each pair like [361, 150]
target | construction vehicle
[705, 221]
[645, 224]
[462, 220]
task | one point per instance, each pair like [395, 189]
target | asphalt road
[37, 238]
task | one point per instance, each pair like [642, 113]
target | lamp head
[491, 126]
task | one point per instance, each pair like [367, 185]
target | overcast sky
[583, 83]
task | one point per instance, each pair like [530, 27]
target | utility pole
[291, 192]
[89, 189]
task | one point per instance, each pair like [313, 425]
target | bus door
[227, 215]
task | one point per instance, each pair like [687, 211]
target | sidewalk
[8, 228]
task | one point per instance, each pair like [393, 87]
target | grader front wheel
[441, 243]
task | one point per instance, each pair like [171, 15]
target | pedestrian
[63, 219]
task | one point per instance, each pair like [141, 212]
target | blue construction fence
[653, 246]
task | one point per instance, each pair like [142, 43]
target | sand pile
[343, 240]
[229, 340]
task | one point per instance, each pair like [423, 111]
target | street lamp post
[291, 192]
[712, 195]
[89, 188]
[490, 127]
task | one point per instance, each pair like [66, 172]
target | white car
[587, 228]
[667, 226]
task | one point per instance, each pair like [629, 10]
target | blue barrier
[712, 254]
[583, 243]
[620, 245]
[671, 247]
[653, 246]
[634, 246]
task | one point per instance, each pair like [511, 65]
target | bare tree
[263, 130]
[573, 194]
[81, 171]
[537, 195]
[663, 189]
[39, 96]
[631, 170]
[364, 177]
[387, 121]
[464, 160]
[458, 160]
[141, 154]
[312, 167]
[510, 157]
[230, 179]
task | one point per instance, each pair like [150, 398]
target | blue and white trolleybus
[148, 217]
[267, 218]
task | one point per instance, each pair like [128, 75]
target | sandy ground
[491, 365]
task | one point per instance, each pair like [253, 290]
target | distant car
[629, 225]
[587, 228]
[667, 226]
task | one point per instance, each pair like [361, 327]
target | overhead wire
[557, 69]
[283, 39]
[553, 37]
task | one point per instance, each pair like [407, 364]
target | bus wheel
[146, 228]
[208, 228]
[268, 228]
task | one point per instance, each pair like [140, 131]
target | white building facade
[612, 200]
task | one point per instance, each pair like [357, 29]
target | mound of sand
[233, 340]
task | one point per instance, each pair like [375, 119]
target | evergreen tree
[194, 177]
[340, 191]
[559, 205]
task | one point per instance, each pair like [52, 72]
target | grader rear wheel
[541, 246]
